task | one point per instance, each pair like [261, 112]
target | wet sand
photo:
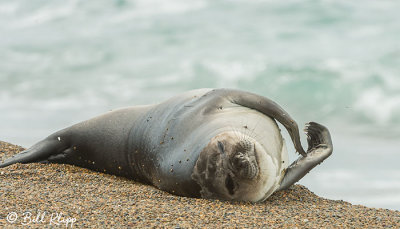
[61, 194]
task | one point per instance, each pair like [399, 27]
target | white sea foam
[149, 8]
[379, 105]
[37, 15]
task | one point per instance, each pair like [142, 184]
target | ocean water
[336, 62]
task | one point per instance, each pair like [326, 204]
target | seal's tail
[41, 152]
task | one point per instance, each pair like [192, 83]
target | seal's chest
[249, 121]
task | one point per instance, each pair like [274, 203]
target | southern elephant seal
[209, 143]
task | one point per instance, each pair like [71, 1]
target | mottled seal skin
[210, 143]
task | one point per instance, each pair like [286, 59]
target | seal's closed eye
[221, 147]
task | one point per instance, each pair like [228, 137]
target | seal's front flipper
[267, 107]
[319, 148]
[40, 152]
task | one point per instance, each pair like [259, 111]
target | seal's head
[234, 166]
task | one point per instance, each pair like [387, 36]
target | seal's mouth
[230, 185]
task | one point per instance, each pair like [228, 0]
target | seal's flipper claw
[319, 148]
[41, 151]
[317, 136]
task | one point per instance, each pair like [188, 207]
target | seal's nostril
[239, 160]
[244, 165]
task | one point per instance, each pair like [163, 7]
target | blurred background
[335, 62]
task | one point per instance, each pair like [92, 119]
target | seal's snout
[244, 166]
[228, 167]
[244, 161]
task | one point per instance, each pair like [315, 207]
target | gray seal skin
[209, 143]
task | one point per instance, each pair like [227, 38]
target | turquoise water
[334, 62]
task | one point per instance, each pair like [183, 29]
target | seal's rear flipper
[44, 150]
[319, 148]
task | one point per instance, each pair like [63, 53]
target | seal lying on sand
[205, 143]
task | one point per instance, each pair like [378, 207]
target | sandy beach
[44, 196]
